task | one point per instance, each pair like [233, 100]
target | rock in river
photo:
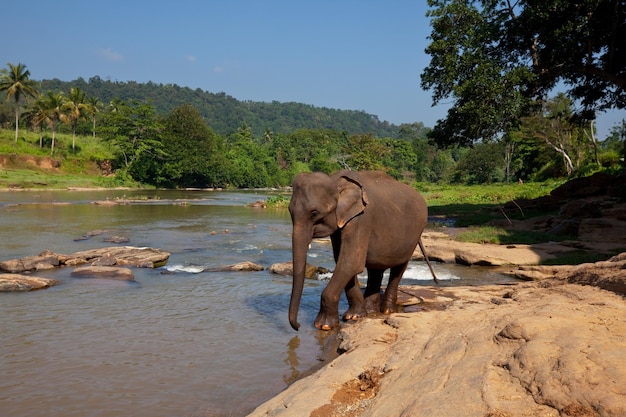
[18, 282]
[108, 272]
[126, 255]
[286, 268]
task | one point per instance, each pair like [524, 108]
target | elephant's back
[392, 203]
[398, 211]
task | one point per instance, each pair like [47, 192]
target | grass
[24, 164]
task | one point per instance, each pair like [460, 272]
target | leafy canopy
[494, 59]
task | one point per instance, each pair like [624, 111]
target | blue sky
[347, 54]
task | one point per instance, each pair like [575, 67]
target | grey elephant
[374, 223]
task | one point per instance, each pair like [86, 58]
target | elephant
[374, 223]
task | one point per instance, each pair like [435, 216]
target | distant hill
[224, 114]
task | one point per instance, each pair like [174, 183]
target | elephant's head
[320, 205]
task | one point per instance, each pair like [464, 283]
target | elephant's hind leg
[372, 291]
[356, 303]
[389, 304]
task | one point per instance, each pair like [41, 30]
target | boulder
[141, 257]
[19, 282]
[43, 261]
[108, 272]
[286, 268]
[246, 266]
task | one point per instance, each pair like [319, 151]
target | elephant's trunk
[299, 245]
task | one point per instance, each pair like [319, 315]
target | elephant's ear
[351, 200]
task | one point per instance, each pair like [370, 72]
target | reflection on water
[179, 341]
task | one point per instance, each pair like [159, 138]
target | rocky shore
[551, 346]
[547, 348]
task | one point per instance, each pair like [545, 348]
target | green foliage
[365, 152]
[496, 60]
[482, 164]
[134, 132]
[278, 201]
[194, 152]
[140, 141]
[224, 113]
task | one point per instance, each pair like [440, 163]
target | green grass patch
[499, 236]
[476, 205]
[278, 201]
[578, 257]
[24, 164]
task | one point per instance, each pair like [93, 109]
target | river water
[179, 341]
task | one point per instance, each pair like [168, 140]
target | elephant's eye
[314, 214]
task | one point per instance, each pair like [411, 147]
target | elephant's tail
[432, 271]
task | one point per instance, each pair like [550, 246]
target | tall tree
[135, 130]
[53, 113]
[17, 83]
[195, 155]
[76, 108]
[93, 110]
[495, 58]
[555, 127]
[37, 114]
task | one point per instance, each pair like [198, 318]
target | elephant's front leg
[328, 317]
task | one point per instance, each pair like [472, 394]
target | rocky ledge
[546, 348]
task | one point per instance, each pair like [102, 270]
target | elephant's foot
[372, 303]
[389, 307]
[326, 322]
[355, 313]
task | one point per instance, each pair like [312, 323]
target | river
[179, 341]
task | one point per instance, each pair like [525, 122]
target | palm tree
[17, 83]
[54, 113]
[93, 110]
[76, 109]
[37, 115]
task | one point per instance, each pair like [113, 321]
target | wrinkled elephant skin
[374, 223]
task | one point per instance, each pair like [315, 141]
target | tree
[134, 129]
[481, 164]
[38, 115]
[76, 108]
[53, 113]
[496, 58]
[17, 83]
[366, 152]
[93, 109]
[556, 128]
[194, 152]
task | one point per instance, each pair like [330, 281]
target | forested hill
[224, 114]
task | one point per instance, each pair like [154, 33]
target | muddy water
[177, 342]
